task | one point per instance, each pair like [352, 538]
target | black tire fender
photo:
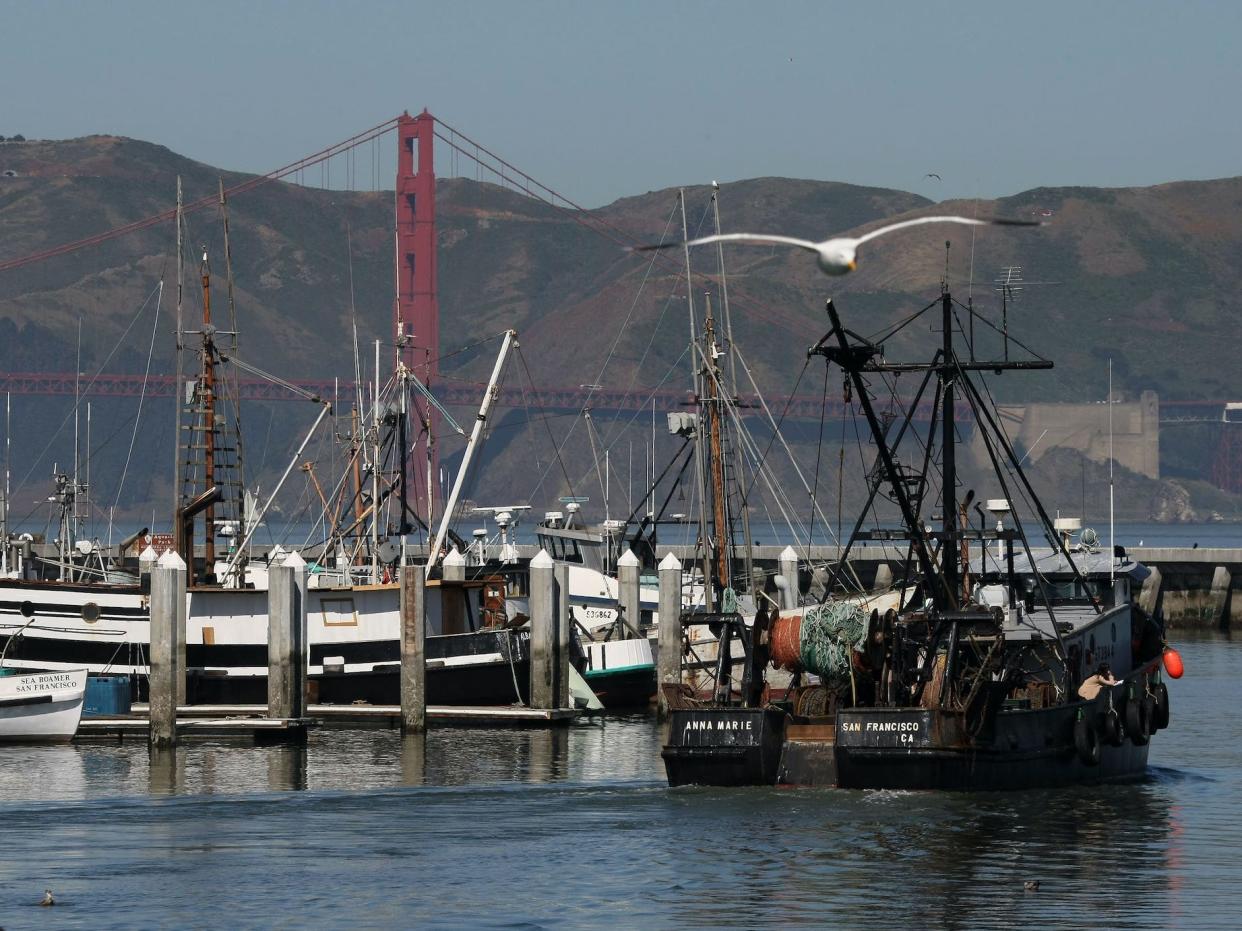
[1087, 741]
[1160, 692]
[1137, 721]
[1151, 710]
[1111, 731]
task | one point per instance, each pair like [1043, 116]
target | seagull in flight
[932, 174]
[839, 255]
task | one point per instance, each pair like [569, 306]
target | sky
[602, 100]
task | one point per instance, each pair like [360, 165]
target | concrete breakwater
[1196, 588]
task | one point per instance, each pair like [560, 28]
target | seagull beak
[853, 264]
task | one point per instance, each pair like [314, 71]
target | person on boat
[1092, 684]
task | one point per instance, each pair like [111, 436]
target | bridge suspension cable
[323, 155]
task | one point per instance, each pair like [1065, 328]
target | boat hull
[41, 707]
[1029, 750]
[354, 651]
[724, 746]
[622, 673]
[631, 687]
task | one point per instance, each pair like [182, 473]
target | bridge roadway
[467, 394]
[448, 392]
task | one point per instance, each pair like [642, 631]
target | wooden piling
[452, 594]
[629, 592]
[1218, 599]
[453, 566]
[542, 630]
[183, 610]
[670, 629]
[286, 639]
[564, 630]
[413, 650]
[1149, 598]
[167, 584]
[788, 563]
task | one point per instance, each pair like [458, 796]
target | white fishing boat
[43, 706]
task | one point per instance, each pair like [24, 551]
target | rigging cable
[241, 187]
[86, 390]
[819, 453]
[141, 398]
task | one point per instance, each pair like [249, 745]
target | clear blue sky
[601, 100]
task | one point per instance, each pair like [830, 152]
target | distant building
[1135, 442]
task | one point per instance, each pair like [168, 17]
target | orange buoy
[1173, 663]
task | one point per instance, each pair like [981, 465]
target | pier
[250, 722]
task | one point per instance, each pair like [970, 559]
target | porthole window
[90, 612]
[27, 609]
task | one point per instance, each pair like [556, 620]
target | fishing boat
[54, 617]
[1006, 666]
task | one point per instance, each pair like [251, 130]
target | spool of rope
[815, 701]
[786, 642]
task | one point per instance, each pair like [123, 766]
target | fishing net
[830, 633]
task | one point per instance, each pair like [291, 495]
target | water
[576, 828]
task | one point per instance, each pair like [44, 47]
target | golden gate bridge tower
[416, 311]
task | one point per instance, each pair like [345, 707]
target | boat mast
[8, 451]
[77, 449]
[234, 388]
[720, 521]
[1112, 537]
[355, 455]
[180, 387]
[949, 554]
[208, 403]
[696, 383]
[375, 470]
[748, 555]
[489, 398]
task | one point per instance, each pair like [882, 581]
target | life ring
[1137, 721]
[1087, 741]
[1160, 692]
[1111, 731]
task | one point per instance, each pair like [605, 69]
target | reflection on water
[575, 826]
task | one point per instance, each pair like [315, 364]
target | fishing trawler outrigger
[996, 672]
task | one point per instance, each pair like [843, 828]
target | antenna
[1009, 284]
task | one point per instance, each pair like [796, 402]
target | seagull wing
[920, 221]
[758, 239]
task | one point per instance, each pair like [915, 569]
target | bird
[838, 255]
[47, 898]
[1031, 885]
[932, 174]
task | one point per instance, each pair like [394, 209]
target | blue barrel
[106, 696]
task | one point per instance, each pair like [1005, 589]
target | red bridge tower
[416, 315]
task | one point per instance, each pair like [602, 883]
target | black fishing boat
[986, 677]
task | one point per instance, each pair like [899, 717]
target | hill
[1146, 277]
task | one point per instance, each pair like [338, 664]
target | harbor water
[529, 828]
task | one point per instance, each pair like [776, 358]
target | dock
[251, 721]
[258, 728]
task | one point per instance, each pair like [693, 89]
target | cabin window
[339, 612]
